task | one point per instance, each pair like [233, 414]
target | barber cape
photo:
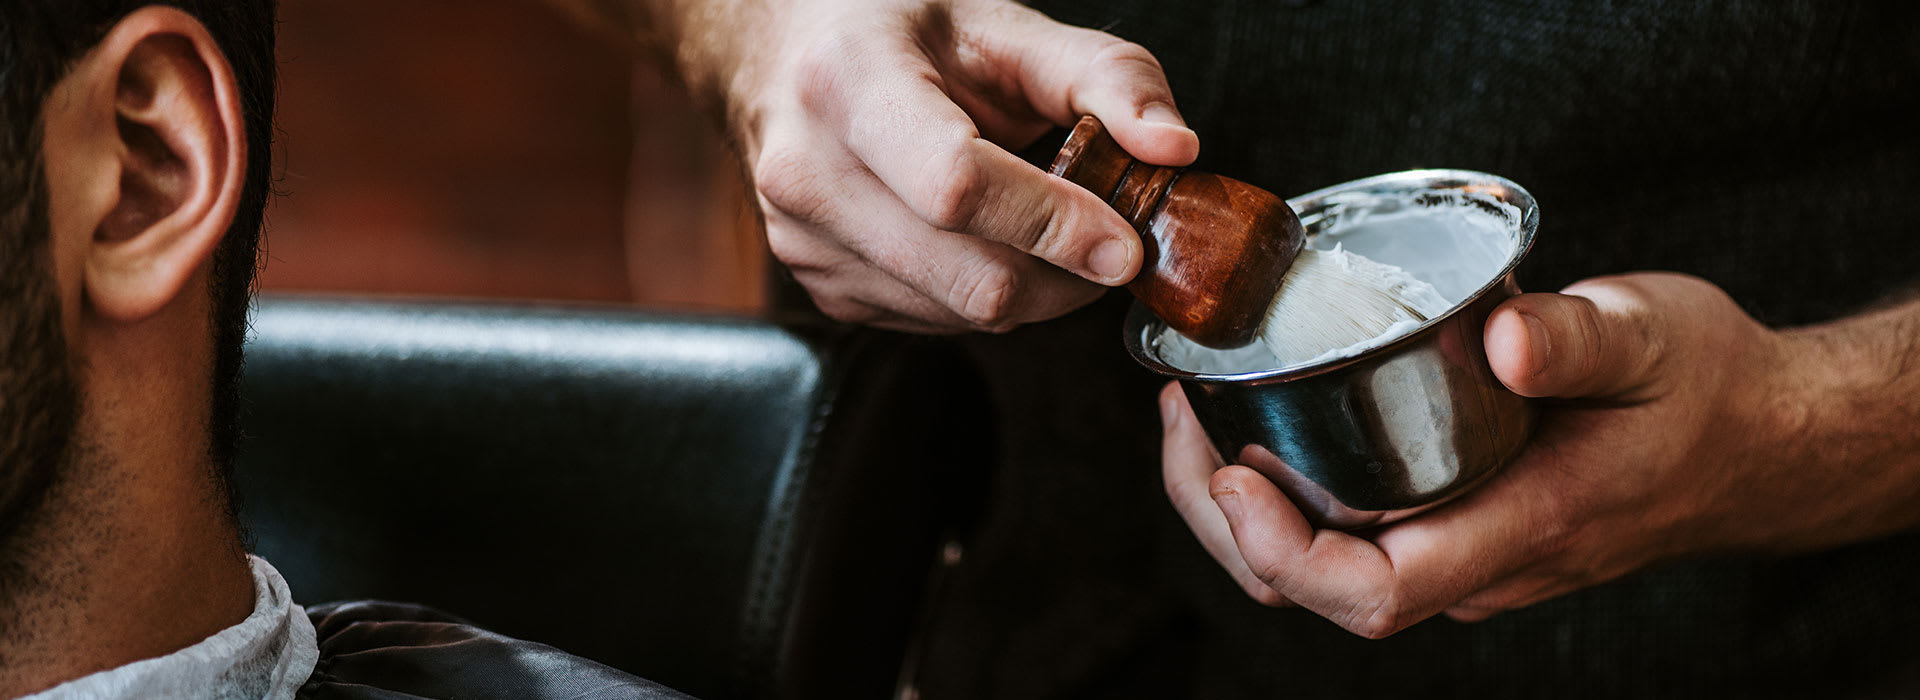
[268, 655]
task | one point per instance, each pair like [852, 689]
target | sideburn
[39, 393]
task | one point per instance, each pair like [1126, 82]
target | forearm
[1855, 430]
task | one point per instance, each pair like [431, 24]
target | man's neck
[134, 553]
[120, 566]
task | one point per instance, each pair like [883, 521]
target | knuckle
[1380, 623]
[1634, 344]
[1270, 573]
[793, 247]
[788, 181]
[988, 297]
[952, 185]
[1590, 333]
[1113, 58]
[1051, 232]
[1264, 594]
[821, 69]
[1123, 53]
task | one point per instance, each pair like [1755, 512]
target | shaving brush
[1216, 247]
[1225, 262]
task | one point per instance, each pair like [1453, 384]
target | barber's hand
[1678, 436]
[876, 132]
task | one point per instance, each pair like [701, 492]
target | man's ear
[146, 158]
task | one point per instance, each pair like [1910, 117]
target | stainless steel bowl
[1381, 435]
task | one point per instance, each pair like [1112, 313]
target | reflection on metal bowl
[1401, 426]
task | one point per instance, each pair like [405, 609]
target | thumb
[1597, 339]
[1066, 72]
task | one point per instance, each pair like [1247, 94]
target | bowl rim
[1139, 319]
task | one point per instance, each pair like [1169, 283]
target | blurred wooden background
[492, 148]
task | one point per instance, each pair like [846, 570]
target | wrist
[1843, 417]
[723, 50]
[717, 49]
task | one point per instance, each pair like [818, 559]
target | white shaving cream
[1378, 271]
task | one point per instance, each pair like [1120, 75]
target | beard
[39, 392]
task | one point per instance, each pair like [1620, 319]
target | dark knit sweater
[1769, 147]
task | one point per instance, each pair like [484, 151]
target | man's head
[134, 170]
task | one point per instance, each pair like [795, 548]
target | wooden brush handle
[1216, 248]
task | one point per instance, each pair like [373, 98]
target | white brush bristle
[1333, 299]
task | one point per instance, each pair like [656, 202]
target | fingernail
[1539, 343]
[1169, 411]
[1162, 113]
[1229, 501]
[1110, 261]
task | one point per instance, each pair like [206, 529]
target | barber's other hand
[876, 133]
[1676, 436]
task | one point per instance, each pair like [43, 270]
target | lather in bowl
[1374, 437]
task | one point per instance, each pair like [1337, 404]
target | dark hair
[39, 42]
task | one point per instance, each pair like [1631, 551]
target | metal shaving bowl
[1381, 435]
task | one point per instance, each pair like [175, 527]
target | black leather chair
[735, 508]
